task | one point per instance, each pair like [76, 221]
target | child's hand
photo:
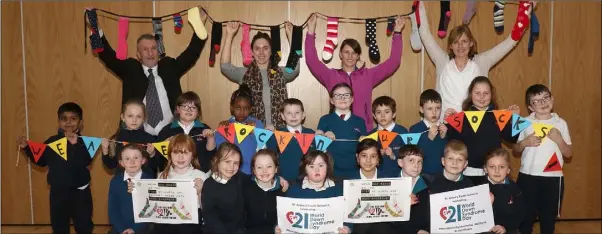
[442, 130]
[250, 123]
[269, 127]
[498, 229]
[344, 230]
[514, 108]
[277, 230]
[284, 184]
[22, 142]
[413, 199]
[330, 135]
[320, 132]
[224, 123]
[71, 137]
[150, 149]
[555, 135]
[128, 231]
[433, 131]
[130, 186]
[531, 140]
[207, 133]
[449, 111]
[105, 146]
[423, 232]
[388, 151]
[198, 185]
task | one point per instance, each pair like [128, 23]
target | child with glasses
[540, 176]
[344, 128]
[187, 120]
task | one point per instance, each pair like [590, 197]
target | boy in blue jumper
[384, 109]
[433, 142]
[121, 214]
[454, 160]
[293, 113]
[345, 126]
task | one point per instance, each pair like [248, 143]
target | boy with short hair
[69, 178]
[455, 160]
[432, 142]
[411, 160]
[384, 109]
[540, 176]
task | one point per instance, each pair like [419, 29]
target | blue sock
[534, 33]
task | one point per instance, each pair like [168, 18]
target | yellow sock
[194, 18]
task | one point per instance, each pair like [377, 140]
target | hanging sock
[122, 36]
[296, 49]
[95, 41]
[471, 9]
[498, 16]
[158, 29]
[534, 34]
[194, 18]
[276, 47]
[373, 51]
[444, 18]
[332, 34]
[245, 45]
[216, 41]
[522, 20]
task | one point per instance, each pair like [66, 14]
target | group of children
[237, 185]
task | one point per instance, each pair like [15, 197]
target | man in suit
[152, 79]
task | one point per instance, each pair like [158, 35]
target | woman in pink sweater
[361, 79]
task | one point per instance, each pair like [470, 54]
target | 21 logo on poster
[307, 221]
[460, 212]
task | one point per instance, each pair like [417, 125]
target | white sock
[415, 36]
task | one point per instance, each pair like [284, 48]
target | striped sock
[498, 16]
[332, 34]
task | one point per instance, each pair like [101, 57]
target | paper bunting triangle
[373, 136]
[411, 138]
[92, 144]
[242, 131]
[60, 147]
[322, 142]
[37, 149]
[262, 136]
[162, 147]
[304, 140]
[386, 138]
[502, 117]
[282, 139]
[541, 130]
[474, 118]
[519, 124]
[553, 164]
[228, 132]
[456, 121]
[125, 143]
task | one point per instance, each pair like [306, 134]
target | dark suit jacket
[131, 73]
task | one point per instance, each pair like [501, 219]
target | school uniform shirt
[290, 158]
[121, 214]
[260, 206]
[420, 218]
[248, 146]
[479, 144]
[439, 183]
[388, 165]
[377, 175]
[508, 205]
[224, 204]
[432, 149]
[195, 129]
[190, 174]
[65, 174]
[546, 159]
[134, 136]
[351, 127]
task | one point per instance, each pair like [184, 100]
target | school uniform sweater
[290, 158]
[431, 149]
[388, 165]
[65, 174]
[439, 184]
[343, 152]
[138, 136]
[508, 205]
[121, 214]
[487, 137]
[260, 206]
[383, 227]
[248, 146]
[224, 204]
[420, 218]
[203, 155]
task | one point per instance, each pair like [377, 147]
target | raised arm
[317, 68]
[489, 58]
[232, 72]
[191, 54]
[436, 53]
[386, 69]
[109, 58]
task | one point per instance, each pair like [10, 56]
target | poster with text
[379, 200]
[165, 201]
[320, 215]
[462, 211]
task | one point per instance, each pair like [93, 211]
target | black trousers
[373, 228]
[543, 197]
[160, 228]
[67, 204]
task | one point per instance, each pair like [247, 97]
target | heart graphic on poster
[160, 212]
[291, 217]
[372, 210]
[444, 212]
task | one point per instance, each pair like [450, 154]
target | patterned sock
[415, 36]
[216, 41]
[122, 35]
[332, 34]
[95, 41]
[444, 18]
[177, 21]
[498, 16]
[245, 45]
[158, 29]
[276, 44]
[374, 53]
[194, 18]
[471, 9]
[390, 25]
[296, 49]
[522, 20]
[534, 34]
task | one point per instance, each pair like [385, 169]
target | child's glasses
[341, 96]
[188, 108]
[544, 100]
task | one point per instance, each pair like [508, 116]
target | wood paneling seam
[0, 102]
[551, 43]
[26, 109]
[422, 70]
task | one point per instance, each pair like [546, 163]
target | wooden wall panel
[576, 89]
[15, 179]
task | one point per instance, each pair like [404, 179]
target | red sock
[522, 20]
[416, 11]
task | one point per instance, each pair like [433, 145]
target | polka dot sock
[95, 41]
[373, 51]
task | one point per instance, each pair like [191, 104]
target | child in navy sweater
[508, 203]
[384, 109]
[69, 177]
[260, 193]
[121, 216]
[316, 180]
[455, 160]
[131, 130]
[293, 113]
[342, 124]
[434, 141]
[187, 120]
